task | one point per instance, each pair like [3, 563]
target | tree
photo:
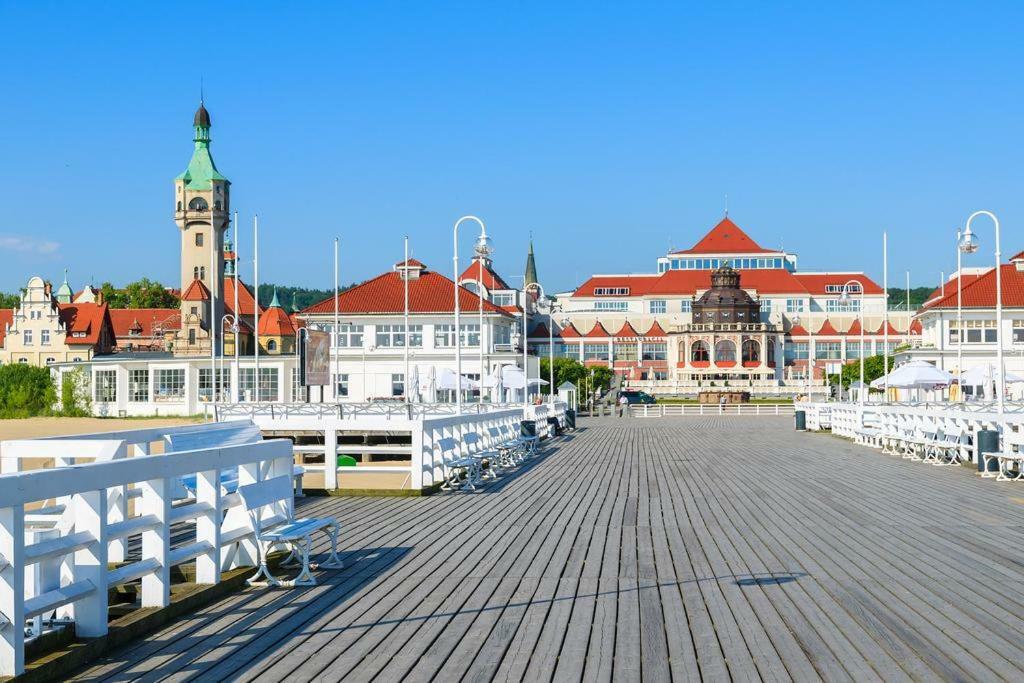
[874, 367]
[296, 297]
[25, 391]
[571, 370]
[9, 300]
[898, 297]
[144, 293]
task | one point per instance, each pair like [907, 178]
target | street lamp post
[234, 334]
[458, 317]
[526, 346]
[484, 247]
[960, 316]
[969, 244]
[846, 297]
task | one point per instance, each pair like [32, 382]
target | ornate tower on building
[531, 266]
[201, 206]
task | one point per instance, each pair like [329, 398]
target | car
[633, 396]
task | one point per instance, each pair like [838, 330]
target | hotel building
[643, 325]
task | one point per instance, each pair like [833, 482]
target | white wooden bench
[461, 471]
[946, 448]
[279, 528]
[1010, 458]
[222, 434]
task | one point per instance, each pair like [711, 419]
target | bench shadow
[292, 606]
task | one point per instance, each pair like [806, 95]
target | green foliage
[75, 394]
[297, 297]
[144, 293]
[874, 367]
[25, 391]
[9, 300]
[898, 297]
[571, 370]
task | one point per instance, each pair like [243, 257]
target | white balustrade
[696, 409]
[65, 545]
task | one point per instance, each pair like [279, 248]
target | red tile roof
[411, 263]
[815, 283]
[491, 279]
[950, 288]
[597, 330]
[855, 328]
[274, 322]
[1017, 257]
[196, 291]
[539, 331]
[246, 301]
[915, 327]
[655, 331]
[726, 238]
[145, 321]
[798, 331]
[429, 293]
[90, 319]
[568, 332]
[689, 282]
[827, 329]
[6, 318]
[626, 330]
[892, 330]
[981, 292]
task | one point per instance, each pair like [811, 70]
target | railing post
[248, 473]
[12, 590]
[156, 543]
[91, 563]
[208, 526]
[330, 458]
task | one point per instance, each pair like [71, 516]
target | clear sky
[611, 131]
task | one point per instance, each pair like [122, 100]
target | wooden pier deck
[667, 549]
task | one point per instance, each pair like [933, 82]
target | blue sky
[611, 131]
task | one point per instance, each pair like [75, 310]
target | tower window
[198, 204]
[195, 273]
[202, 272]
[271, 345]
[179, 206]
[199, 239]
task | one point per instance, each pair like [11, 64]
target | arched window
[725, 351]
[202, 272]
[198, 204]
[699, 352]
[179, 206]
[751, 351]
[271, 345]
[195, 273]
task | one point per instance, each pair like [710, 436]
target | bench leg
[268, 578]
[333, 561]
[305, 577]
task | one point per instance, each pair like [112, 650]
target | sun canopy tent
[916, 374]
[448, 381]
[980, 374]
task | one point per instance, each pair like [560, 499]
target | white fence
[420, 429]
[683, 409]
[847, 419]
[56, 557]
[342, 411]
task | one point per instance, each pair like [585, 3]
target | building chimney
[99, 297]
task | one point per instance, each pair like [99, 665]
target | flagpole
[405, 277]
[256, 300]
[214, 322]
[885, 317]
[238, 321]
[335, 341]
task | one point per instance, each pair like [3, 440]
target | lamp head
[845, 296]
[968, 241]
[484, 246]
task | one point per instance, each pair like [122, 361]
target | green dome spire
[274, 303]
[201, 171]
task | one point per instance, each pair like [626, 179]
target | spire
[295, 302]
[64, 292]
[531, 266]
[201, 171]
[274, 303]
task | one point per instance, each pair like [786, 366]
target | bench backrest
[449, 445]
[952, 435]
[1013, 441]
[259, 495]
[222, 434]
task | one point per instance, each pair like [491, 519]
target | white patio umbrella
[447, 380]
[429, 384]
[916, 374]
[497, 379]
[513, 377]
[980, 373]
[414, 384]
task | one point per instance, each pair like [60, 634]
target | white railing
[410, 411]
[430, 463]
[851, 419]
[818, 416]
[686, 409]
[65, 551]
